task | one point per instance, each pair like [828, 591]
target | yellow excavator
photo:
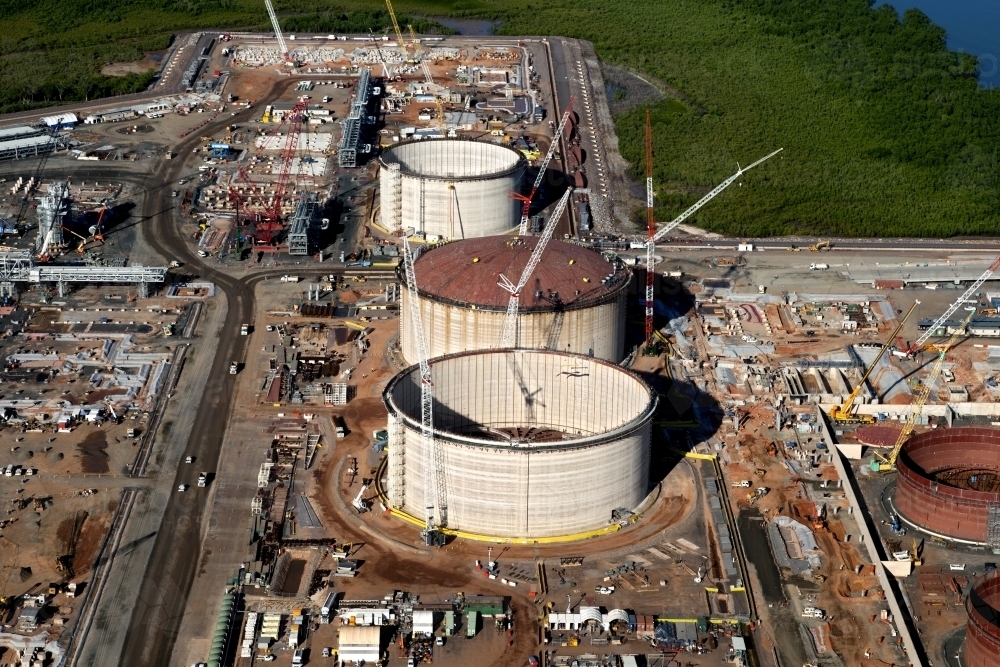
[884, 463]
[842, 413]
[820, 245]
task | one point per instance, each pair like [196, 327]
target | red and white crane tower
[542, 167]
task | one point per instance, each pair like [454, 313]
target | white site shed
[360, 644]
[423, 622]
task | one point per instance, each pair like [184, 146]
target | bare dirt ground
[123, 69]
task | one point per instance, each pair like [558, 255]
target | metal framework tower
[434, 469]
[650, 228]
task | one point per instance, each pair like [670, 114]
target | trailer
[471, 624]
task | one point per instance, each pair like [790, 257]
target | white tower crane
[509, 336]
[913, 349]
[542, 167]
[651, 243]
[277, 29]
[434, 480]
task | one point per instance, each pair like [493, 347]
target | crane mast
[913, 349]
[508, 337]
[277, 29]
[399, 33]
[654, 238]
[434, 480]
[889, 462]
[542, 167]
[650, 228]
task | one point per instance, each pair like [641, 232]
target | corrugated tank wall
[535, 489]
[982, 636]
[454, 189]
[597, 330]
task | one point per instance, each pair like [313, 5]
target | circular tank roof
[453, 159]
[467, 273]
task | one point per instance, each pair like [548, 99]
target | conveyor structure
[18, 266]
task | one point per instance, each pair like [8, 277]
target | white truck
[202, 479]
[289, 279]
[818, 267]
[813, 612]
[244, 329]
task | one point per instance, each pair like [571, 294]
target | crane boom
[542, 167]
[953, 307]
[399, 33]
[889, 462]
[434, 489]
[842, 413]
[704, 200]
[508, 337]
[663, 231]
[277, 29]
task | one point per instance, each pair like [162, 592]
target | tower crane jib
[542, 167]
[953, 307]
[508, 337]
[663, 231]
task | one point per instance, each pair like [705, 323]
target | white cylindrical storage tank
[575, 301]
[450, 188]
[532, 443]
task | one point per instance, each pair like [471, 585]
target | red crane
[265, 214]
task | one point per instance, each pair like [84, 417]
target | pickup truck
[202, 479]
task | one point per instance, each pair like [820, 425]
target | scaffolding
[993, 528]
[347, 153]
[53, 210]
[302, 221]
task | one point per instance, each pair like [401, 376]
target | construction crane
[268, 213]
[650, 229]
[883, 463]
[542, 167]
[399, 33]
[277, 30]
[434, 488]
[663, 231]
[919, 343]
[508, 338]
[842, 413]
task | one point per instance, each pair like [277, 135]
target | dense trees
[885, 131]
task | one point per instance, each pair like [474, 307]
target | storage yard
[335, 354]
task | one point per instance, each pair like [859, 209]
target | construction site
[347, 349]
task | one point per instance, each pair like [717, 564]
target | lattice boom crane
[435, 491]
[663, 231]
[889, 462]
[542, 167]
[508, 337]
[953, 307]
[277, 29]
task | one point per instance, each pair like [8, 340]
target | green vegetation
[885, 131]
[52, 51]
